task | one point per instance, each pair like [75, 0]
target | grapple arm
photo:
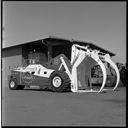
[79, 54]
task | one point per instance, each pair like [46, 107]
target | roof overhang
[52, 40]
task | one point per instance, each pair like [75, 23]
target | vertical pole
[49, 52]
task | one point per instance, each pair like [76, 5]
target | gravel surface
[32, 107]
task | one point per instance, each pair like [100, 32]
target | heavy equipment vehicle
[69, 66]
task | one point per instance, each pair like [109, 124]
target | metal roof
[72, 41]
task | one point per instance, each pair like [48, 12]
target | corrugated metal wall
[11, 58]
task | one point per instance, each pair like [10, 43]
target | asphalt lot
[44, 108]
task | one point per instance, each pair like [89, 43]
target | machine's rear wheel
[13, 84]
[59, 81]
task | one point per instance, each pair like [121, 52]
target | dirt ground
[32, 107]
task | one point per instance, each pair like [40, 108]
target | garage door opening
[34, 54]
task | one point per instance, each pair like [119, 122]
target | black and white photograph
[63, 63]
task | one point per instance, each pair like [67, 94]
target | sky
[102, 23]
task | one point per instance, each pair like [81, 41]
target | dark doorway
[62, 49]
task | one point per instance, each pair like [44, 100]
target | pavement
[34, 107]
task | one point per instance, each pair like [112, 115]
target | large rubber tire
[13, 84]
[59, 81]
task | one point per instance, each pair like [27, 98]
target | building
[38, 51]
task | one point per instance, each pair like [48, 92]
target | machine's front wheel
[59, 81]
